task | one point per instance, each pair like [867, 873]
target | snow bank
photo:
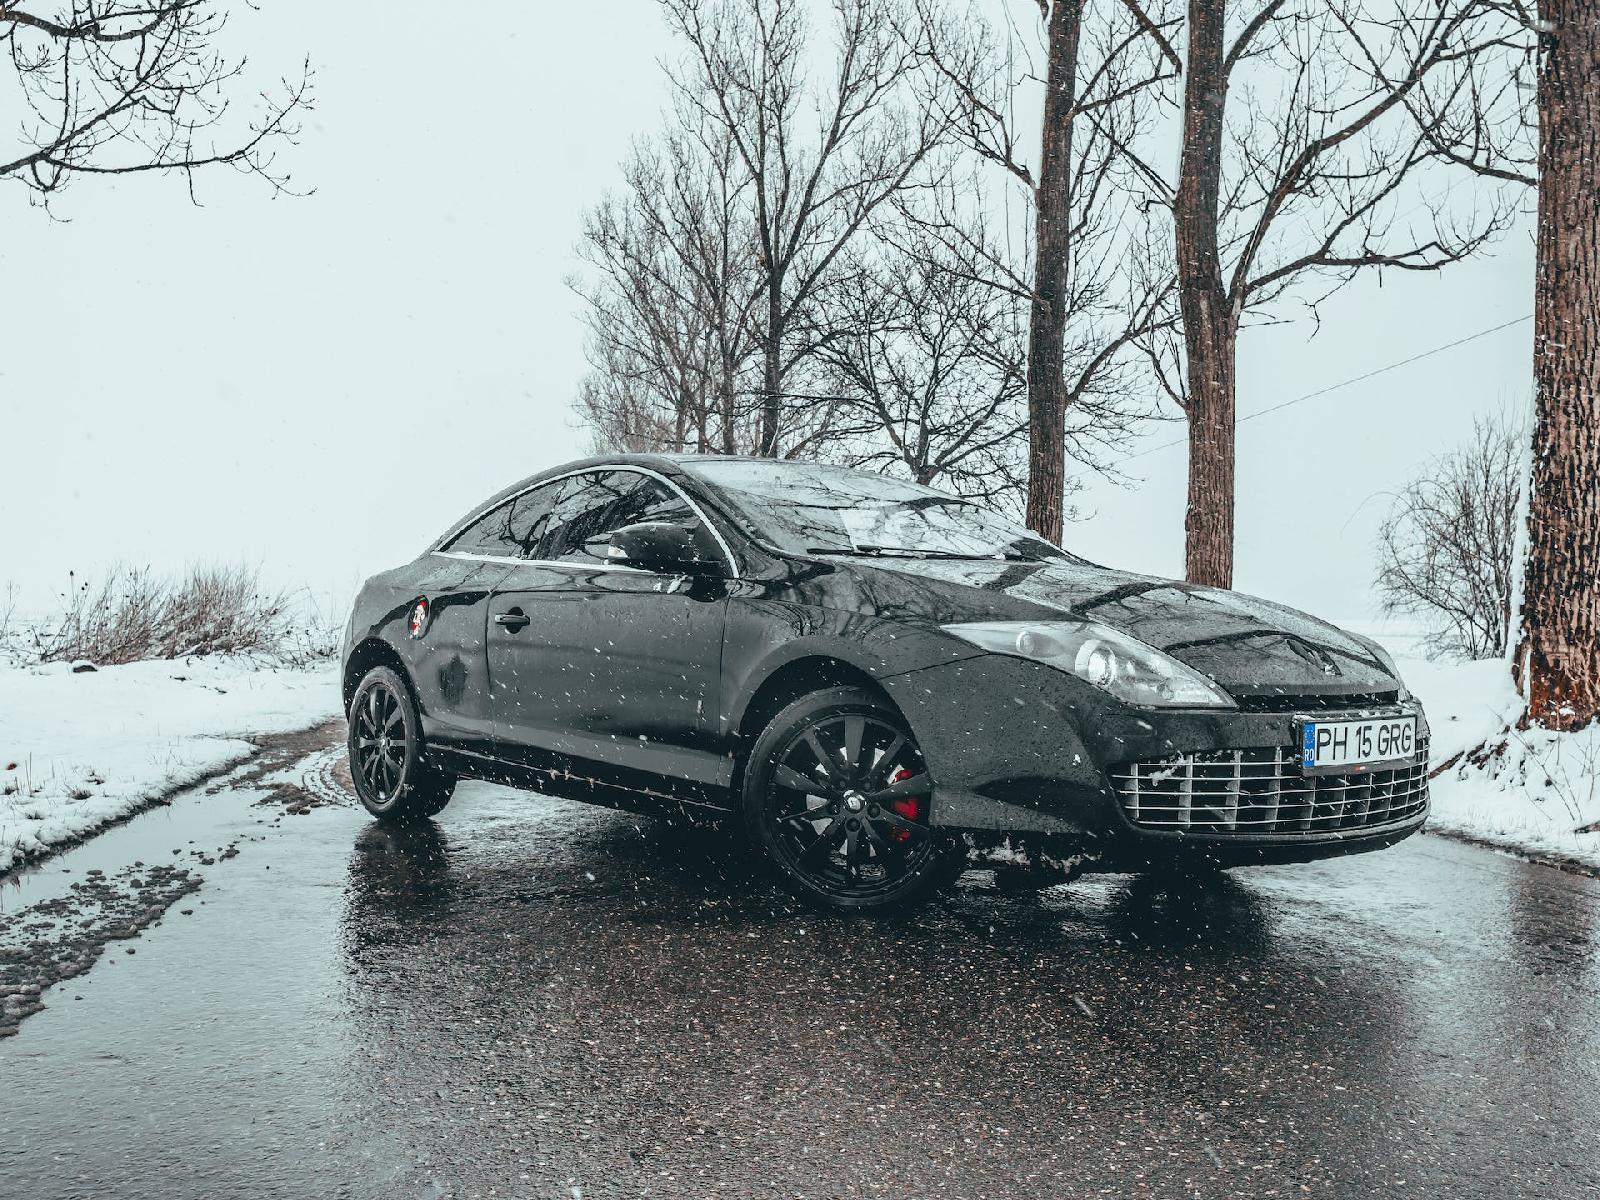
[1532, 791]
[79, 750]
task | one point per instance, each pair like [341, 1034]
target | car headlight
[1098, 654]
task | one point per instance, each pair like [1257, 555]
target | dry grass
[8, 614]
[131, 614]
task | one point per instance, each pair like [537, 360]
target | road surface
[532, 998]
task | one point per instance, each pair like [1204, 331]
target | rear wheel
[393, 780]
[837, 795]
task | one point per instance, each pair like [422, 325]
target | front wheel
[837, 795]
[392, 778]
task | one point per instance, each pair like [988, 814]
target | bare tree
[1093, 301]
[1545, 64]
[1052, 238]
[114, 87]
[897, 300]
[1559, 652]
[1482, 115]
[671, 294]
[631, 407]
[1445, 548]
[818, 159]
[1302, 163]
[928, 367]
[1526, 112]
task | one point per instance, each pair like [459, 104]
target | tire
[384, 724]
[868, 848]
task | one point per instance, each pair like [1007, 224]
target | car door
[609, 666]
[446, 649]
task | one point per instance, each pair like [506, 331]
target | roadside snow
[77, 751]
[1535, 788]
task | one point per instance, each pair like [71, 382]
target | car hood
[1248, 645]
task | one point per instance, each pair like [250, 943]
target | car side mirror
[656, 546]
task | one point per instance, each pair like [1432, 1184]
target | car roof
[670, 464]
[654, 461]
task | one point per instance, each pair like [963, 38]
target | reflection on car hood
[1249, 645]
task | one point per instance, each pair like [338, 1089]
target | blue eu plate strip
[1308, 746]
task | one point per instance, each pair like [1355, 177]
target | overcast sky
[319, 385]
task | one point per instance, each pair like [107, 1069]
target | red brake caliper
[909, 807]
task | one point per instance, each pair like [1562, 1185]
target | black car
[875, 678]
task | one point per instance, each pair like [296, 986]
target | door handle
[513, 620]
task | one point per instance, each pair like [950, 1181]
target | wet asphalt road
[534, 998]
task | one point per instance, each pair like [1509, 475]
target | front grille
[1287, 702]
[1263, 791]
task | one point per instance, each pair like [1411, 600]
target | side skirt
[632, 791]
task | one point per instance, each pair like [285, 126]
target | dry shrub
[131, 615]
[1445, 548]
[8, 614]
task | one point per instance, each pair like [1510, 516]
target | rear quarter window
[514, 529]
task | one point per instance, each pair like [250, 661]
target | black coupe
[877, 679]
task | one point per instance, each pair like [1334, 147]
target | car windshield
[814, 509]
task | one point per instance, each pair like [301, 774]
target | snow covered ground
[1535, 792]
[79, 750]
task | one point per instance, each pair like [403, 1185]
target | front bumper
[1020, 750]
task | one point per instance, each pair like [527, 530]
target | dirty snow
[1534, 792]
[79, 750]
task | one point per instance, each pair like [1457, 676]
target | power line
[1333, 387]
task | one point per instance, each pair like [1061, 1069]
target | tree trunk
[1208, 520]
[1210, 317]
[1047, 390]
[730, 412]
[771, 370]
[680, 419]
[1560, 651]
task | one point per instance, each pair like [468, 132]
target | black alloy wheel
[838, 795]
[386, 759]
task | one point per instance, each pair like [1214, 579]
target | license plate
[1356, 745]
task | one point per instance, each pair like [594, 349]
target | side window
[596, 505]
[481, 537]
[522, 532]
[581, 520]
[510, 530]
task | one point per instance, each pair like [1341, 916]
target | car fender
[764, 636]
